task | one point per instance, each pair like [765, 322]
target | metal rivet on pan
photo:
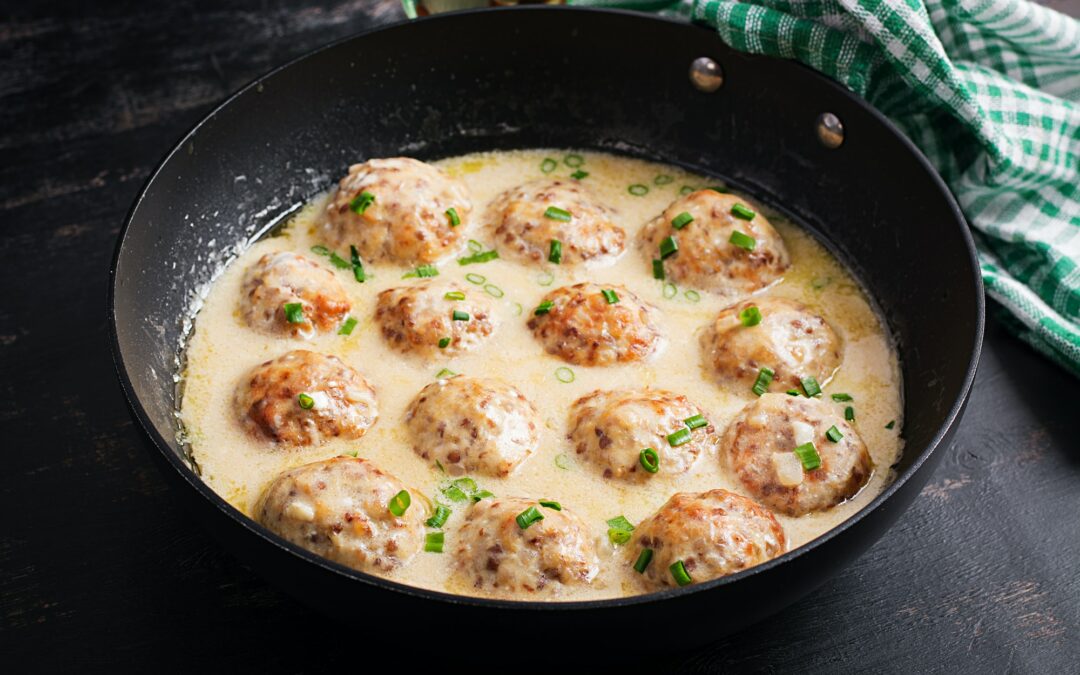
[830, 130]
[706, 75]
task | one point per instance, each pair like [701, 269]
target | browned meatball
[523, 230]
[407, 220]
[759, 447]
[713, 533]
[340, 509]
[415, 319]
[496, 555]
[584, 328]
[284, 278]
[611, 428]
[791, 340]
[473, 425]
[706, 257]
[305, 398]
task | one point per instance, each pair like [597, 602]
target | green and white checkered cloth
[989, 90]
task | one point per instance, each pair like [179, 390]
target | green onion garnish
[670, 290]
[338, 262]
[548, 165]
[741, 211]
[573, 161]
[743, 240]
[438, 519]
[682, 220]
[764, 379]
[444, 342]
[321, 250]
[518, 309]
[643, 560]
[458, 315]
[686, 189]
[692, 295]
[839, 398]
[555, 252]
[357, 265]
[696, 422]
[833, 434]
[679, 573]
[454, 295]
[663, 179]
[445, 373]
[543, 308]
[475, 278]
[638, 190]
[439, 464]
[347, 327]
[455, 220]
[294, 312]
[718, 188]
[891, 424]
[680, 437]
[481, 257]
[433, 542]
[454, 492]
[610, 296]
[550, 504]
[545, 278]
[810, 386]
[555, 213]
[793, 392]
[751, 316]
[579, 174]
[305, 401]
[619, 529]
[849, 414]
[423, 272]
[354, 453]
[562, 461]
[809, 456]
[475, 246]
[658, 269]
[361, 202]
[668, 247]
[650, 460]
[400, 503]
[528, 517]
[564, 375]
[482, 494]
[494, 291]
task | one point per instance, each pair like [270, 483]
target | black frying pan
[541, 77]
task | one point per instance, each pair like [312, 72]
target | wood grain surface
[99, 566]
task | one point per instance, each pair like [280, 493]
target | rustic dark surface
[98, 563]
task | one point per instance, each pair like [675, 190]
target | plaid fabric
[989, 90]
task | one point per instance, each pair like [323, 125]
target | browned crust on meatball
[583, 329]
[282, 278]
[414, 318]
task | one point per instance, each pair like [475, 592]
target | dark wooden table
[99, 565]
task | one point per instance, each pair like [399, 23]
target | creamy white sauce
[223, 349]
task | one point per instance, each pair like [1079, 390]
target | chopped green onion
[423, 272]
[475, 246]
[686, 189]
[545, 278]
[475, 278]
[354, 453]
[692, 295]
[650, 460]
[668, 247]
[679, 573]
[458, 315]
[573, 161]
[482, 257]
[670, 290]
[682, 220]
[849, 414]
[793, 392]
[819, 283]
[306, 402]
[465, 483]
[555, 253]
[543, 308]
[347, 327]
[361, 202]
[555, 213]
[751, 316]
[833, 434]
[444, 342]
[764, 379]
[357, 265]
[438, 519]
[741, 240]
[663, 179]
[638, 190]
[810, 386]
[454, 295]
[321, 250]
[549, 504]
[455, 219]
[548, 165]
[433, 542]
[454, 493]
[839, 398]
[482, 494]
[717, 188]
[445, 373]
[338, 262]
[658, 269]
[696, 421]
[494, 291]
[294, 312]
[680, 437]
[564, 375]
[742, 212]
[610, 296]
[528, 517]
[579, 174]
[518, 309]
[809, 456]
[643, 560]
[400, 503]
[891, 424]
[619, 529]
[562, 461]
[439, 464]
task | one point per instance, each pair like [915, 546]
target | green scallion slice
[742, 212]
[400, 503]
[809, 456]
[482, 257]
[680, 437]
[518, 309]
[643, 560]
[357, 265]
[475, 278]
[849, 414]
[458, 315]
[692, 295]
[579, 174]
[573, 160]
[743, 241]
[438, 519]
[361, 202]
[810, 386]
[619, 530]
[543, 308]
[294, 312]
[610, 296]
[551, 504]
[347, 327]
[751, 316]
[663, 179]
[686, 189]
[305, 401]
[444, 342]
[454, 493]
[555, 252]
[562, 461]
[321, 250]
[764, 379]
[548, 165]
[445, 373]
[555, 213]
[638, 190]
[891, 424]
[433, 542]
[840, 398]
[455, 219]
[658, 269]
[454, 295]
[650, 460]
[545, 278]
[528, 517]
[679, 573]
[669, 247]
[833, 434]
[718, 188]
[423, 272]
[475, 246]
[339, 262]
[564, 375]
[696, 422]
[793, 392]
[481, 494]
[682, 220]
[440, 466]
[670, 290]
[494, 291]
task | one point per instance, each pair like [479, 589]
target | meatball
[280, 279]
[612, 428]
[706, 257]
[498, 556]
[305, 398]
[790, 340]
[759, 447]
[340, 509]
[419, 318]
[713, 533]
[583, 327]
[470, 424]
[404, 216]
[525, 228]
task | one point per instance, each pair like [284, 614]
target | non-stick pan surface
[543, 77]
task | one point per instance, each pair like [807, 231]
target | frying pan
[545, 77]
